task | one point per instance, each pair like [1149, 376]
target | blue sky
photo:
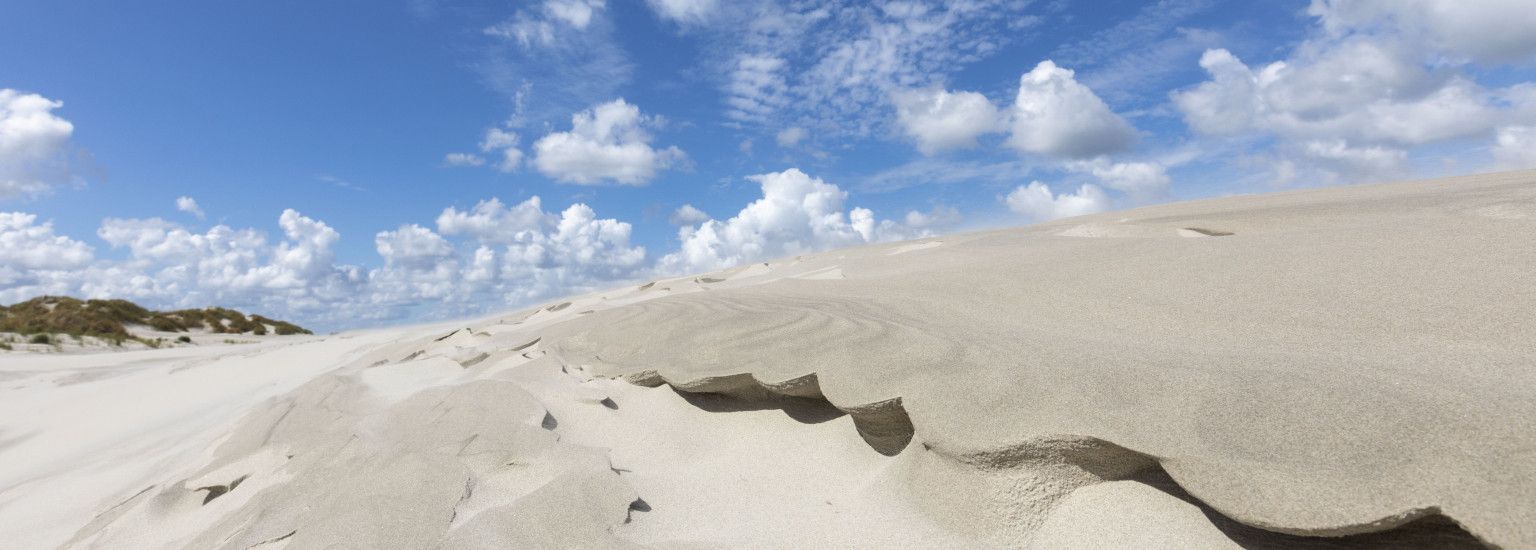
[155, 152]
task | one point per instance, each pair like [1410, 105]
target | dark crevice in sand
[1209, 232]
[638, 505]
[1432, 530]
[275, 539]
[887, 428]
[216, 491]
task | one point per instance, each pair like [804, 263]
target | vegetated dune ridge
[1347, 367]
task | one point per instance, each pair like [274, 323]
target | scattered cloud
[790, 137]
[687, 215]
[685, 11]
[1372, 82]
[463, 159]
[606, 144]
[34, 145]
[543, 27]
[338, 182]
[553, 57]
[831, 67]
[1141, 180]
[1036, 202]
[938, 217]
[502, 145]
[189, 205]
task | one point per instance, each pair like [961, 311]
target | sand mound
[1346, 367]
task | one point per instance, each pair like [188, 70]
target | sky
[352, 164]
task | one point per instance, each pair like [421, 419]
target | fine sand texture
[1351, 367]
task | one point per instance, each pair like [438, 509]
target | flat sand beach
[1350, 367]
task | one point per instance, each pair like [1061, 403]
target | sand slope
[1348, 367]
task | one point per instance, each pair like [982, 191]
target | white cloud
[463, 159]
[34, 144]
[189, 205]
[1359, 90]
[1356, 163]
[411, 245]
[687, 215]
[1484, 31]
[170, 266]
[543, 27]
[27, 245]
[941, 120]
[1036, 202]
[490, 221]
[684, 11]
[607, 143]
[1142, 180]
[501, 142]
[1515, 147]
[831, 67]
[797, 214]
[789, 137]
[937, 217]
[1373, 82]
[757, 88]
[1055, 115]
[576, 13]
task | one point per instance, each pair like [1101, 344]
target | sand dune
[1347, 367]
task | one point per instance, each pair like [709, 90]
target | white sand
[1348, 367]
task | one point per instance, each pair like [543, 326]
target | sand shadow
[802, 409]
[1434, 531]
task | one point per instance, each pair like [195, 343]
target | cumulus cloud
[34, 144]
[684, 11]
[504, 256]
[687, 215]
[940, 120]
[1374, 81]
[796, 214]
[27, 245]
[189, 205]
[1055, 115]
[1037, 203]
[491, 221]
[607, 143]
[171, 266]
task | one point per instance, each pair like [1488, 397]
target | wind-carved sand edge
[888, 429]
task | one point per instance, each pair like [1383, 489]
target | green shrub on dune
[109, 319]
